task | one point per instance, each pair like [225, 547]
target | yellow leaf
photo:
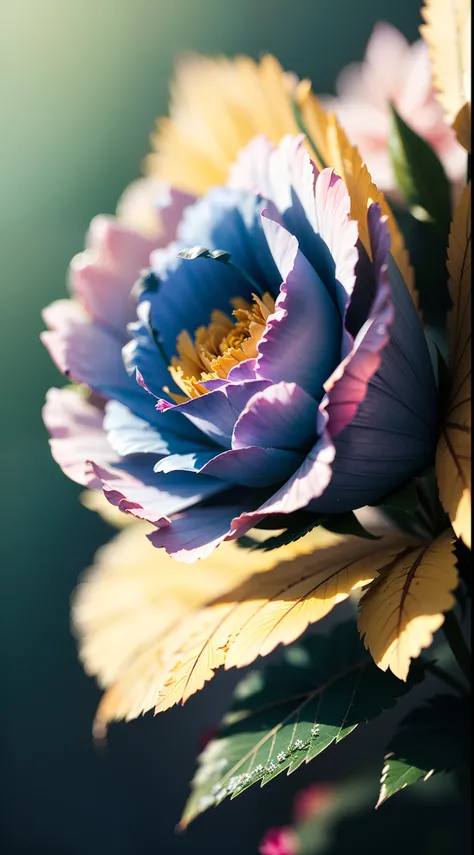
[447, 32]
[244, 604]
[462, 126]
[453, 457]
[404, 606]
[336, 151]
[217, 106]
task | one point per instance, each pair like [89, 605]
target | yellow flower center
[220, 346]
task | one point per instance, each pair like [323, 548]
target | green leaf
[297, 529]
[288, 713]
[404, 499]
[419, 173]
[427, 249]
[434, 738]
[347, 524]
[302, 524]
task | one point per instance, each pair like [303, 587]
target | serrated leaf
[434, 738]
[290, 712]
[132, 599]
[453, 456]
[462, 127]
[248, 617]
[333, 149]
[347, 523]
[447, 32]
[419, 173]
[226, 103]
[405, 604]
[294, 532]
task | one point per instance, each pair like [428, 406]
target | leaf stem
[459, 649]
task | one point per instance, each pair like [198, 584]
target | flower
[319, 396]
[279, 841]
[312, 801]
[393, 70]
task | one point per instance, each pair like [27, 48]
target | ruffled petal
[314, 207]
[133, 487]
[215, 414]
[183, 294]
[347, 386]
[197, 532]
[308, 482]
[101, 277]
[393, 433]
[282, 416]
[253, 466]
[76, 431]
[229, 219]
[302, 339]
[128, 434]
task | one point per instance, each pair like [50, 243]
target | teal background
[81, 83]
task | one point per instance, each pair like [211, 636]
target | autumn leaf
[405, 605]
[333, 149]
[134, 594]
[447, 32]
[217, 106]
[453, 457]
[154, 632]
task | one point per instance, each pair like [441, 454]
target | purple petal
[393, 433]
[133, 487]
[247, 467]
[282, 416]
[215, 414]
[91, 354]
[308, 482]
[302, 339]
[347, 386]
[75, 426]
[196, 533]
[314, 207]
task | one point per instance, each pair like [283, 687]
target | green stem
[434, 669]
[458, 646]
[304, 130]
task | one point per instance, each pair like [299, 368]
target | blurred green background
[81, 83]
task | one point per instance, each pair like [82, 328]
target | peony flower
[279, 370]
[396, 71]
[279, 841]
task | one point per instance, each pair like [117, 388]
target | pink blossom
[393, 70]
[279, 841]
[311, 801]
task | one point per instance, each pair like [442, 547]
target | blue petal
[246, 467]
[129, 434]
[230, 219]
